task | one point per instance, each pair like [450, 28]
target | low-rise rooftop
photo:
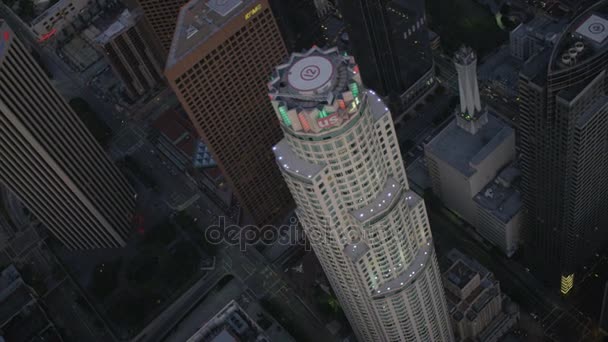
[499, 198]
[232, 323]
[120, 24]
[463, 150]
[460, 274]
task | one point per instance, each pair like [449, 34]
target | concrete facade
[462, 165]
[341, 161]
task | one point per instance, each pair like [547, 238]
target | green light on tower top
[322, 113]
[284, 116]
[354, 88]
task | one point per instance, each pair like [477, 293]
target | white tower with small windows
[341, 160]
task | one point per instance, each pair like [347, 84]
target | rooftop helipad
[311, 74]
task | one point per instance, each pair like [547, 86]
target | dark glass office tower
[390, 42]
[51, 161]
[564, 149]
[299, 22]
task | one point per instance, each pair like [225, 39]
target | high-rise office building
[218, 66]
[564, 144]
[162, 17]
[51, 161]
[391, 44]
[132, 59]
[300, 23]
[341, 160]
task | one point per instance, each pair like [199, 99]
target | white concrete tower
[466, 66]
[341, 160]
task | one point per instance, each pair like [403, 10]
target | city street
[555, 317]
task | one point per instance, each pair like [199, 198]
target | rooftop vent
[489, 193]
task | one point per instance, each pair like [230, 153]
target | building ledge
[381, 204]
[293, 165]
[409, 275]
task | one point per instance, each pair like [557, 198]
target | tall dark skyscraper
[218, 67]
[50, 160]
[131, 57]
[564, 148]
[390, 42]
[299, 22]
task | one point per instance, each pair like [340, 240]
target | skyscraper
[162, 17]
[391, 44]
[564, 144]
[50, 160]
[218, 66]
[300, 23]
[341, 161]
[131, 57]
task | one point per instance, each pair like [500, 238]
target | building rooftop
[200, 19]
[535, 68]
[5, 36]
[585, 38]
[460, 274]
[454, 255]
[462, 271]
[499, 198]
[14, 294]
[465, 56]
[462, 150]
[312, 78]
[120, 24]
[316, 91]
[232, 323]
[319, 92]
[541, 27]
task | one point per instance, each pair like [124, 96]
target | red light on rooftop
[48, 35]
[6, 36]
[356, 69]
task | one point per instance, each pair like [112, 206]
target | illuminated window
[322, 113]
[283, 112]
[354, 88]
[567, 283]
